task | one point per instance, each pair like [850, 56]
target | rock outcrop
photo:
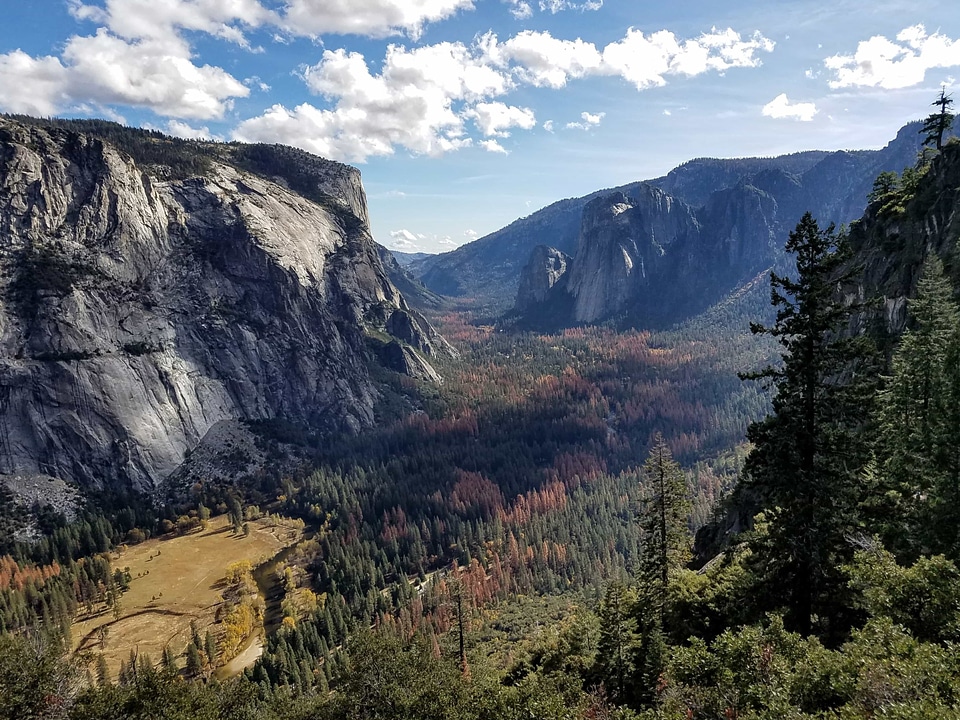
[894, 238]
[143, 304]
[543, 270]
[624, 242]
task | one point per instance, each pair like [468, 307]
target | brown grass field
[175, 580]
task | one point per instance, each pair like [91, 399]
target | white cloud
[157, 74]
[493, 146]
[138, 19]
[410, 103]
[781, 108]
[543, 60]
[589, 120]
[404, 241]
[555, 6]
[495, 118]
[879, 62]
[471, 234]
[375, 18]
[32, 86]
[668, 113]
[520, 9]
[137, 57]
[188, 132]
[256, 82]
[548, 126]
[644, 60]
[421, 98]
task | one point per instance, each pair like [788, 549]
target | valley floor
[175, 581]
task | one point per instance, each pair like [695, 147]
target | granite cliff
[651, 258]
[152, 290]
[833, 185]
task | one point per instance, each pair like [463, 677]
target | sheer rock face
[649, 258]
[832, 185]
[890, 246]
[136, 313]
[543, 270]
[623, 248]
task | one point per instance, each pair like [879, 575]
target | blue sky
[464, 115]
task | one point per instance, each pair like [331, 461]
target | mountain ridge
[489, 268]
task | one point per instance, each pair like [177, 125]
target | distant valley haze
[464, 115]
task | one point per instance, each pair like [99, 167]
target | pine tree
[169, 661]
[664, 535]
[937, 124]
[805, 466]
[194, 661]
[210, 649]
[617, 648]
[103, 672]
[918, 426]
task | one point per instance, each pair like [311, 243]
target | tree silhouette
[937, 124]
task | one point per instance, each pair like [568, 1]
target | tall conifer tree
[807, 459]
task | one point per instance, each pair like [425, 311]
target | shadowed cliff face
[624, 242]
[890, 245]
[831, 185]
[649, 259]
[138, 312]
[544, 270]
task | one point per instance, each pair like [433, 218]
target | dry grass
[175, 581]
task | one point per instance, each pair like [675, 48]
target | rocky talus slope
[144, 302]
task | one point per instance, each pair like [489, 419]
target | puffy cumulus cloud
[376, 18]
[156, 74]
[548, 126]
[421, 98]
[880, 62]
[137, 57]
[540, 59]
[409, 242]
[494, 147]
[589, 120]
[137, 19]
[418, 101]
[781, 108]
[106, 70]
[188, 132]
[32, 86]
[645, 60]
[543, 60]
[495, 118]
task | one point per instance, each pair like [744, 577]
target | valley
[721, 478]
[175, 583]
